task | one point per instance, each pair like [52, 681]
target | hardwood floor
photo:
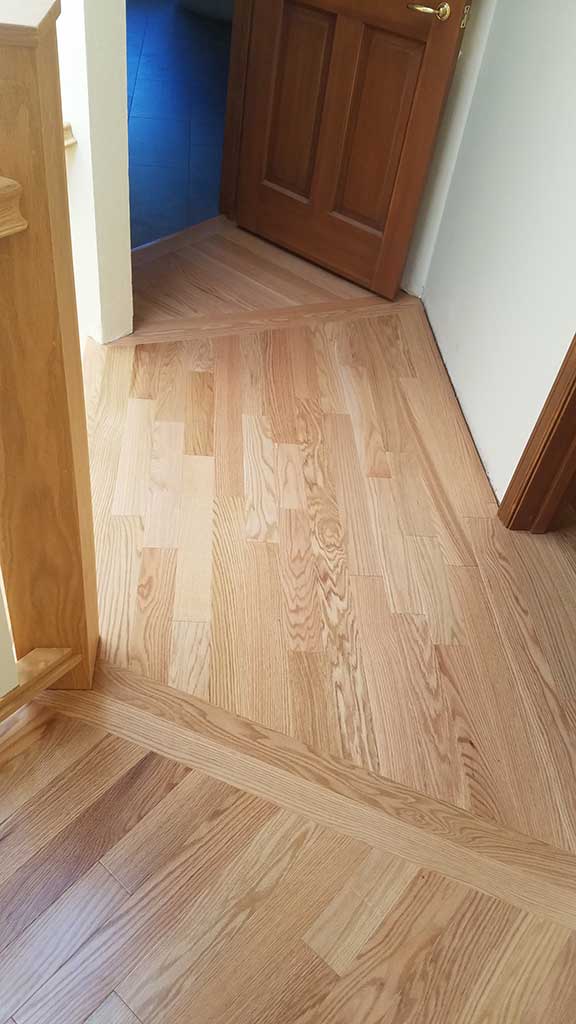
[326, 771]
[293, 524]
[136, 888]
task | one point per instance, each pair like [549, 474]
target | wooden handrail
[11, 219]
[46, 530]
[36, 672]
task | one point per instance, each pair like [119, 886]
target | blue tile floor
[177, 78]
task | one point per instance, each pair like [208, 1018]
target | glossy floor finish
[293, 524]
[177, 80]
[134, 888]
[325, 775]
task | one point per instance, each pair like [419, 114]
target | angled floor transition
[326, 771]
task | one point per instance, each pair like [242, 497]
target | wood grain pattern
[208, 898]
[41, 668]
[467, 848]
[11, 219]
[46, 522]
[324, 794]
[339, 443]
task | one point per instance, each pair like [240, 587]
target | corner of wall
[448, 146]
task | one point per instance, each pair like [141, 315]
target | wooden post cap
[11, 219]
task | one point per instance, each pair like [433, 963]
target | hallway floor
[177, 82]
[326, 773]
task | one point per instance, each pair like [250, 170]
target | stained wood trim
[526, 872]
[11, 219]
[35, 672]
[239, 57]
[547, 468]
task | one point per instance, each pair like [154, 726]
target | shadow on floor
[177, 79]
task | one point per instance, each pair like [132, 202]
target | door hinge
[464, 21]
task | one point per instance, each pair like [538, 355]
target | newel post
[46, 529]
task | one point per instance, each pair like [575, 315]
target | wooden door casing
[343, 101]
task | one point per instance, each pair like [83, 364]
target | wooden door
[343, 101]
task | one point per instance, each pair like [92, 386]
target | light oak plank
[339, 626]
[352, 497]
[131, 493]
[298, 576]
[193, 582]
[190, 659]
[314, 713]
[290, 478]
[525, 872]
[412, 716]
[165, 486]
[349, 921]
[260, 488]
[52, 809]
[301, 872]
[112, 1011]
[279, 393]
[228, 444]
[119, 557]
[36, 747]
[98, 966]
[42, 949]
[230, 569]
[88, 833]
[182, 818]
[150, 643]
[252, 350]
[374, 458]
[199, 414]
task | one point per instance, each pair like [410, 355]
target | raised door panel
[301, 74]
[383, 92]
[343, 101]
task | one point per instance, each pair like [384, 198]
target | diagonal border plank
[437, 836]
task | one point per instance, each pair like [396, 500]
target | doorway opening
[178, 59]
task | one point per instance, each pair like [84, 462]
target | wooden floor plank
[228, 445]
[260, 481]
[298, 577]
[150, 647]
[339, 786]
[99, 965]
[49, 869]
[112, 1011]
[523, 871]
[35, 748]
[131, 494]
[31, 959]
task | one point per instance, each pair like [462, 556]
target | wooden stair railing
[46, 529]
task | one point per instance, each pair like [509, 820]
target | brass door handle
[442, 11]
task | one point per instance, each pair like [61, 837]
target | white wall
[92, 53]
[500, 290]
[448, 144]
[8, 678]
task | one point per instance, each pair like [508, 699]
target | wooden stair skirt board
[43, 667]
[529, 873]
